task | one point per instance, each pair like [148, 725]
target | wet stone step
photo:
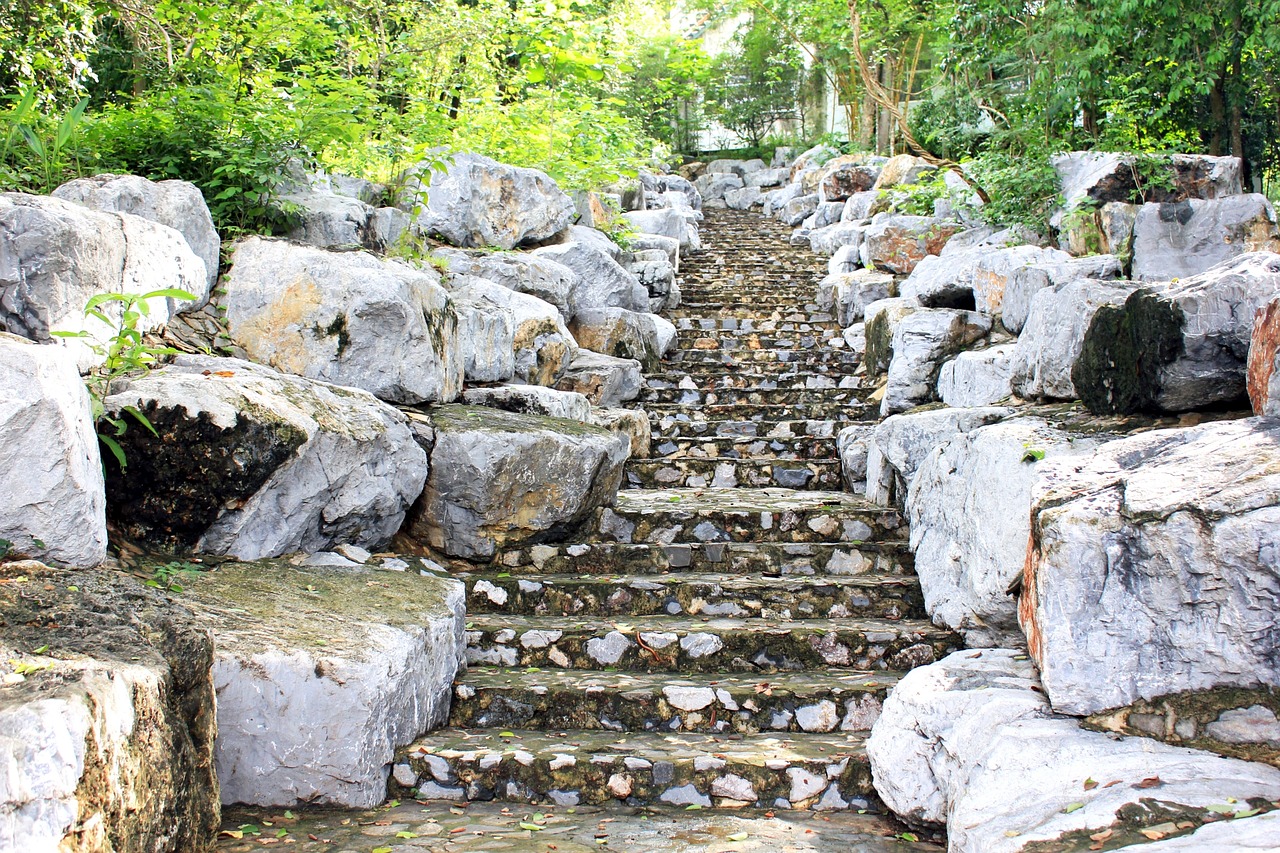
[832, 700]
[666, 516]
[749, 447]
[682, 644]
[686, 593]
[739, 558]
[728, 473]
[779, 771]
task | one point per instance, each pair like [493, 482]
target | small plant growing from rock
[169, 576]
[124, 351]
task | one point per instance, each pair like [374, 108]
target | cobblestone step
[758, 360]
[683, 644]
[832, 700]
[767, 559]
[747, 447]
[666, 516]
[716, 413]
[732, 472]
[695, 594]
[671, 426]
[801, 771]
[759, 394]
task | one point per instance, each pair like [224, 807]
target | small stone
[354, 553]
[707, 762]
[439, 769]
[831, 800]
[404, 775]
[685, 795]
[578, 550]
[488, 762]
[608, 649]
[663, 772]
[733, 788]
[395, 564]
[781, 720]
[504, 636]
[433, 791]
[633, 763]
[558, 658]
[523, 757]
[464, 691]
[494, 593]
[804, 784]
[529, 586]
[1255, 724]
[821, 717]
[539, 639]
[726, 699]
[560, 761]
[619, 785]
[659, 640]
[564, 798]
[700, 645]
[689, 698]
[777, 764]
[707, 532]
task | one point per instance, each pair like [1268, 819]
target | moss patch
[1124, 350]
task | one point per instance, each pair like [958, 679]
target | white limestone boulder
[1052, 341]
[844, 259]
[602, 282]
[530, 400]
[501, 480]
[345, 317]
[969, 506]
[177, 204]
[619, 333]
[1150, 569]
[532, 275]
[838, 237]
[799, 208]
[994, 269]
[1176, 241]
[977, 377]
[605, 380]
[475, 201]
[744, 198]
[321, 674]
[880, 320]
[1179, 346]
[541, 345]
[853, 445]
[255, 463]
[1093, 178]
[849, 294]
[922, 341]
[52, 503]
[486, 330]
[1025, 282]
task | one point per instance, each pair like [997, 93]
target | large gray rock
[594, 238]
[347, 318]
[827, 214]
[922, 341]
[853, 444]
[667, 222]
[531, 400]
[475, 201]
[897, 243]
[541, 345]
[799, 208]
[1025, 282]
[619, 333]
[177, 204]
[969, 506]
[1053, 338]
[106, 740]
[1179, 346]
[321, 218]
[716, 185]
[1094, 178]
[55, 255]
[844, 259]
[858, 207]
[674, 183]
[900, 444]
[744, 198]
[1107, 230]
[549, 281]
[944, 281]
[1262, 373]
[502, 480]
[669, 245]
[1150, 569]
[767, 178]
[830, 239]
[850, 293]
[992, 273]
[322, 674]
[255, 463]
[1173, 241]
[486, 330]
[881, 319]
[843, 177]
[937, 717]
[977, 377]
[52, 503]
[656, 275]
[902, 169]
[602, 281]
[605, 380]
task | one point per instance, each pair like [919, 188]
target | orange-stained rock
[1264, 349]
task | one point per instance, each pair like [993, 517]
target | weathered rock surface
[1024, 283]
[476, 201]
[1149, 570]
[255, 463]
[602, 282]
[902, 169]
[901, 443]
[969, 506]
[1052, 340]
[937, 718]
[897, 243]
[1107, 230]
[106, 739]
[530, 400]
[921, 342]
[322, 674]
[605, 380]
[845, 176]
[1262, 377]
[633, 423]
[540, 343]
[994, 270]
[744, 198]
[1183, 239]
[1099, 177]
[322, 218]
[799, 208]
[620, 333]
[55, 255]
[880, 319]
[977, 377]
[502, 480]
[177, 204]
[853, 445]
[549, 281]
[667, 222]
[850, 293]
[347, 318]
[52, 503]
[838, 237]
[1179, 346]
[486, 331]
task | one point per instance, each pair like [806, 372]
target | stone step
[669, 426]
[666, 516]
[746, 326]
[784, 377]
[761, 393]
[714, 413]
[696, 594]
[683, 644]
[748, 447]
[738, 558]
[760, 360]
[746, 310]
[732, 472]
[554, 699]
[575, 767]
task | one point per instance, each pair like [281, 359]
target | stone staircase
[725, 634]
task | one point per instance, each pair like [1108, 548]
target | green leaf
[536, 74]
[1073, 807]
[738, 836]
[406, 834]
[114, 447]
[532, 827]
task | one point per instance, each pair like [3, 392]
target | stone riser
[665, 426]
[749, 447]
[747, 327]
[722, 473]
[712, 645]
[792, 379]
[835, 700]
[746, 396]
[744, 311]
[763, 413]
[758, 360]
[670, 524]
[696, 595]
[526, 768]
[698, 340]
[740, 558]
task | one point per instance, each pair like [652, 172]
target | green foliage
[44, 47]
[1022, 184]
[125, 351]
[36, 149]
[755, 83]
[171, 576]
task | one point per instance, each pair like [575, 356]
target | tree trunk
[1218, 114]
